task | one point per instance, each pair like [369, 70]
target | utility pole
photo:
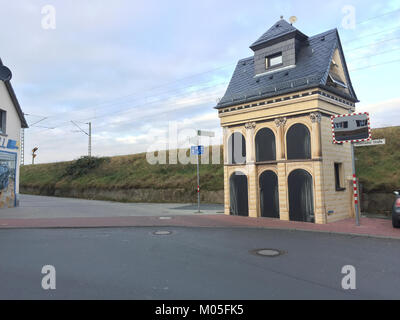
[89, 134]
[90, 139]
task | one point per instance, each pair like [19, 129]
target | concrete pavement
[34, 207]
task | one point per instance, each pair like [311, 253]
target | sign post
[357, 213]
[198, 150]
[353, 128]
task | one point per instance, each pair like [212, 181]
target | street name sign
[375, 142]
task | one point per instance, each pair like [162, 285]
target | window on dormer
[273, 61]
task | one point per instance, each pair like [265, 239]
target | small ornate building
[279, 158]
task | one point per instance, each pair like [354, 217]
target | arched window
[239, 205]
[298, 142]
[265, 145]
[269, 194]
[236, 149]
[301, 197]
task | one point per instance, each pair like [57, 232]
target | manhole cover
[268, 252]
[165, 218]
[162, 233]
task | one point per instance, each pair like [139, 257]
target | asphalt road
[194, 263]
[55, 207]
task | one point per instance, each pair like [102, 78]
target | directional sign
[370, 143]
[205, 133]
[197, 150]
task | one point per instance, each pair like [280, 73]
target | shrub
[82, 166]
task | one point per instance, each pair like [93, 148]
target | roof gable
[15, 102]
[311, 70]
[279, 29]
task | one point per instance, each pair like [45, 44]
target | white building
[11, 121]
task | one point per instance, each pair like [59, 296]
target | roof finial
[292, 19]
[281, 17]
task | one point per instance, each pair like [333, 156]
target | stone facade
[313, 109]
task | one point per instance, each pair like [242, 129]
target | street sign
[197, 150]
[354, 127]
[204, 133]
[376, 142]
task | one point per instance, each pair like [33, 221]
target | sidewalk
[369, 227]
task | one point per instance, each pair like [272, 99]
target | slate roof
[14, 100]
[279, 29]
[312, 70]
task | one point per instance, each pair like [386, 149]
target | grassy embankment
[118, 173]
[378, 168]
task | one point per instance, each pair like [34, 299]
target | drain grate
[268, 252]
[162, 233]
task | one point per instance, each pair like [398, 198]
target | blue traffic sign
[197, 150]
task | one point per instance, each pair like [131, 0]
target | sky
[138, 69]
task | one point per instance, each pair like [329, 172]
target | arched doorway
[239, 205]
[301, 196]
[265, 145]
[298, 142]
[236, 149]
[269, 195]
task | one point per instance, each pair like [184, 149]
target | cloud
[133, 67]
[383, 114]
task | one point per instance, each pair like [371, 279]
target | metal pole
[90, 140]
[354, 175]
[198, 184]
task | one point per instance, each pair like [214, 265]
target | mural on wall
[7, 179]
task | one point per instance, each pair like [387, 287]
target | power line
[375, 65]
[375, 54]
[145, 104]
[111, 104]
[374, 43]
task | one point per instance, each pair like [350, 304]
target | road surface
[194, 263]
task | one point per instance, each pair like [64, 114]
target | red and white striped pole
[355, 187]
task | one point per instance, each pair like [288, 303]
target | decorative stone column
[316, 134]
[319, 210]
[225, 138]
[250, 148]
[282, 178]
[253, 189]
[280, 138]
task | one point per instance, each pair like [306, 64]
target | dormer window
[273, 61]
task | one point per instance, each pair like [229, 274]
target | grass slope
[123, 172]
[377, 167]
